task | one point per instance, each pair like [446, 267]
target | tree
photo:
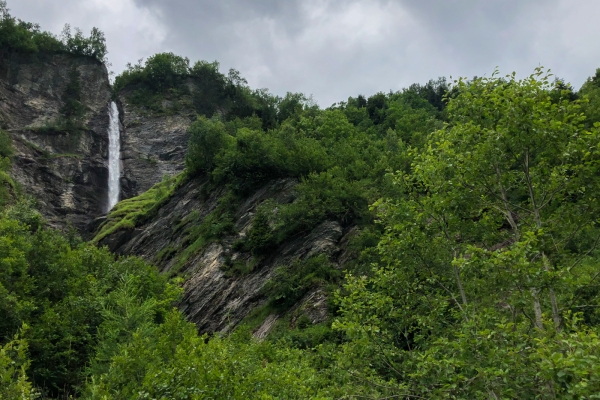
[164, 70]
[13, 367]
[92, 46]
[207, 139]
[521, 157]
[590, 91]
[485, 251]
[72, 111]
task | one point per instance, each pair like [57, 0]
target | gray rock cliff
[152, 146]
[66, 174]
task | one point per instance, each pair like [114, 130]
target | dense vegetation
[475, 270]
[27, 38]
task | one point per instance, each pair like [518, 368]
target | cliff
[152, 145]
[66, 173]
[215, 299]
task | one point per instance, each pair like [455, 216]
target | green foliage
[261, 237]
[66, 294]
[6, 149]
[493, 241]
[590, 91]
[339, 160]
[172, 362]
[306, 335]
[211, 94]
[93, 46]
[25, 37]
[72, 111]
[290, 283]
[129, 213]
[13, 367]
[166, 78]
[7, 185]
[473, 274]
[213, 227]
[164, 69]
[207, 139]
[567, 360]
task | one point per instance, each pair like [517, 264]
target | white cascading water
[114, 150]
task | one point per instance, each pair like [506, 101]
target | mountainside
[213, 299]
[441, 241]
[65, 171]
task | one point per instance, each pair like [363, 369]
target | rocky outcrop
[214, 300]
[152, 145]
[65, 173]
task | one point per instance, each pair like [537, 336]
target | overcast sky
[333, 49]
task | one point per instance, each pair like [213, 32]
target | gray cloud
[337, 48]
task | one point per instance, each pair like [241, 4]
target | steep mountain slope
[274, 195]
[152, 144]
[64, 171]
[216, 299]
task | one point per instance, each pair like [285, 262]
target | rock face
[214, 301]
[66, 174]
[152, 146]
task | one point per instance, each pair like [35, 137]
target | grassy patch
[129, 213]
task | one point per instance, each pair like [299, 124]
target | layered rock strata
[65, 173]
[214, 301]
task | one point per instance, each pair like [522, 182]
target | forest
[475, 271]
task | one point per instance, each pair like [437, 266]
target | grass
[65, 155]
[132, 212]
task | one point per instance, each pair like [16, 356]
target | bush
[290, 283]
[13, 367]
[211, 93]
[6, 149]
[255, 159]
[72, 111]
[207, 139]
[261, 237]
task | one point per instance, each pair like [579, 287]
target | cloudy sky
[333, 49]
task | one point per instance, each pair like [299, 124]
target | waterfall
[114, 150]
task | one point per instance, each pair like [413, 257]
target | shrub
[207, 139]
[293, 281]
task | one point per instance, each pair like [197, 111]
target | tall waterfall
[114, 150]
